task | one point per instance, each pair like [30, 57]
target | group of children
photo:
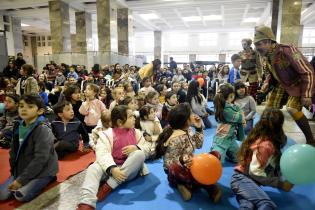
[134, 128]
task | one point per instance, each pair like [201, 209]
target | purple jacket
[295, 73]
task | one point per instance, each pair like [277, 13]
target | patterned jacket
[291, 69]
[251, 60]
[180, 144]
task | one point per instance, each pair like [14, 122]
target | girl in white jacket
[119, 158]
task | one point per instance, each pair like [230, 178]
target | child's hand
[15, 185]
[129, 149]
[118, 175]
[286, 186]
[196, 121]
[187, 159]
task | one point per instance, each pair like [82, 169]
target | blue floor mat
[152, 192]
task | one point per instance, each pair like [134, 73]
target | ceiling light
[212, 17]
[149, 16]
[251, 20]
[191, 18]
[24, 25]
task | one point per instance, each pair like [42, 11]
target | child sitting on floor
[151, 127]
[170, 102]
[176, 144]
[92, 107]
[103, 124]
[33, 159]
[7, 120]
[119, 158]
[231, 123]
[67, 130]
[152, 100]
[259, 162]
[118, 95]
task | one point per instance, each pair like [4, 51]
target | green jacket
[232, 128]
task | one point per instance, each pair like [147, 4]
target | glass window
[208, 39]
[235, 38]
[308, 36]
[177, 40]
[38, 44]
[180, 58]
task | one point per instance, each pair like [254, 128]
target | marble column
[59, 27]
[17, 35]
[106, 11]
[290, 17]
[83, 22]
[34, 49]
[73, 43]
[192, 58]
[157, 44]
[122, 29]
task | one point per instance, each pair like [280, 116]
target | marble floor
[65, 196]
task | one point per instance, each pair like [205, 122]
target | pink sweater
[122, 137]
[92, 111]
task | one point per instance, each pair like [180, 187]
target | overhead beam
[222, 15]
[180, 17]
[144, 22]
[201, 16]
[308, 14]
[265, 15]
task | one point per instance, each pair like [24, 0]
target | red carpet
[68, 167]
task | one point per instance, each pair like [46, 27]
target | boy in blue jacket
[67, 130]
[33, 159]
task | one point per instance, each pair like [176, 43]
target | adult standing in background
[150, 69]
[19, 61]
[173, 64]
[251, 67]
[291, 75]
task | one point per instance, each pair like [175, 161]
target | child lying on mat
[177, 144]
[259, 162]
[33, 159]
[119, 158]
[67, 130]
[103, 124]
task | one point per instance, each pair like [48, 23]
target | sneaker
[215, 193]
[83, 206]
[184, 191]
[103, 192]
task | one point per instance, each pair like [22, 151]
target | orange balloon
[201, 81]
[206, 169]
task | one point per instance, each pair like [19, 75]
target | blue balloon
[297, 164]
[2, 108]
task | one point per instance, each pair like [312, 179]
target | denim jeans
[249, 195]
[95, 174]
[26, 192]
[249, 126]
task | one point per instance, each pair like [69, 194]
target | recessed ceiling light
[212, 17]
[251, 20]
[24, 25]
[191, 18]
[149, 16]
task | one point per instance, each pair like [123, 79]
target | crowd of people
[129, 115]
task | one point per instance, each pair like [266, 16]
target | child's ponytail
[163, 137]
[219, 100]
[219, 104]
